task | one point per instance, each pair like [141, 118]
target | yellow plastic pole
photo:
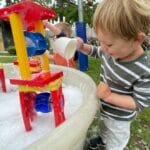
[20, 45]
[39, 27]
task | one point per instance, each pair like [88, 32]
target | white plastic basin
[72, 133]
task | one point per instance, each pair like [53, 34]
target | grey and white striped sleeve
[141, 92]
[95, 51]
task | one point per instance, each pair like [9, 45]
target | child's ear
[140, 38]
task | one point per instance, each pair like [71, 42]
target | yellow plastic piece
[20, 45]
[39, 27]
[45, 62]
[36, 58]
[53, 86]
[35, 69]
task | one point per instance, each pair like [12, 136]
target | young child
[62, 29]
[121, 27]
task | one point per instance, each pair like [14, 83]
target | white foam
[13, 134]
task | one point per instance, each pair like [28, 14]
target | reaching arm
[52, 28]
[87, 49]
[124, 101]
[83, 47]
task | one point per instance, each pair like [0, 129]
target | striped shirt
[128, 78]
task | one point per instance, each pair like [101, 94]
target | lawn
[7, 59]
[140, 129]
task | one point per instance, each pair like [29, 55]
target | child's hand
[103, 91]
[80, 43]
[45, 22]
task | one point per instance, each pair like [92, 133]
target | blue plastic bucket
[43, 102]
[36, 43]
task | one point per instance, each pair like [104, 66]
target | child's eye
[109, 45]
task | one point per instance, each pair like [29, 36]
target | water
[67, 63]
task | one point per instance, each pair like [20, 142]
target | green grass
[94, 69]
[140, 132]
[140, 128]
[7, 59]
[5, 54]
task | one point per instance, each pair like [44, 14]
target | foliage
[88, 13]
[9, 2]
[70, 11]
[11, 50]
[44, 2]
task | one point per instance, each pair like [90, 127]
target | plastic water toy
[36, 43]
[75, 127]
[35, 65]
[42, 102]
[2, 79]
[35, 76]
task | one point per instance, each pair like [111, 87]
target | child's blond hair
[123, 18]
[65, 27]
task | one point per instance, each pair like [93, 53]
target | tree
[44, 2]
[9, 2]
[69, 10]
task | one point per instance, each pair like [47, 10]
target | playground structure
[36, 77]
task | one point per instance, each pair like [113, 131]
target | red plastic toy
[2, 79]
[31, 14]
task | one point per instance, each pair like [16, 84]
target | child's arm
[124, 101]
[83, 47]
[52, 28]
[87, 49]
